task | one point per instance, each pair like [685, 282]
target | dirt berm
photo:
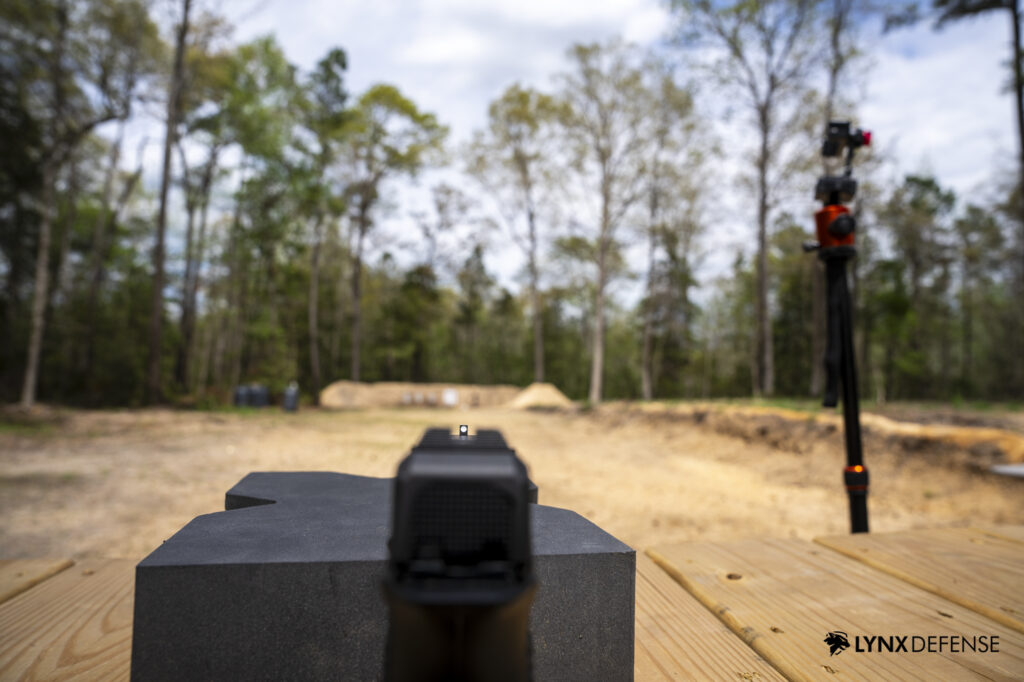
[343, 394]
[974, 448]
[541, 396]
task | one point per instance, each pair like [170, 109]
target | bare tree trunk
[967, 342]
[187, 322]
[192, 292]
[708, 366]
[766, 385]
[646, 372]
[51, 168]
[97, 253]
[538, 330]
[59, 293]
[338, 309]
[101, 248]
[35, 342]
[154, 388]
[220, 349]
[1018, 84]
[945, 357]
[535, 304]
[238, 327]
[204, 346]
[357, 275]
[231, 346]
[11, 310]
[597, 362]
[63, 269]
[889, 371]
[314, 323]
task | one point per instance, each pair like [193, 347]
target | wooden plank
[982, 572]
[783, 597]
[17, 575]
[77, 624]
[1010, 532]
[678, 639]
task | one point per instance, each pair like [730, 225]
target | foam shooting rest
[286, 584]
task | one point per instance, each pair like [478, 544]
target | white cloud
[937, 97]
[543, 13]
[934, 98]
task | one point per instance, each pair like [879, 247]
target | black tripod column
[840, 368]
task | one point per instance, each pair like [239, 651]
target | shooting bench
[750, 610]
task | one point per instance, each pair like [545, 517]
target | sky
[934, 101]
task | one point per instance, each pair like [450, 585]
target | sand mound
[540, 395]
[974, 448]
[347, 394]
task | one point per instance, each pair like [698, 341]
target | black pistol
[460, 583]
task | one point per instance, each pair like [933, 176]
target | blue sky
[934, 100]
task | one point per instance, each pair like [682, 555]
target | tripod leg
[840, 352]
[834, 328]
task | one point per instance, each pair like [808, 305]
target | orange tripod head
[834, 225]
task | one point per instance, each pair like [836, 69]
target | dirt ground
[116, 484]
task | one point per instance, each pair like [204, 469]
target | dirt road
[116, 484]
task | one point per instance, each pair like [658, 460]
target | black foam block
[286, 584]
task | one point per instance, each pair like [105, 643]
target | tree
[511, 158]
[946, 11]
[916, 216]
[727, 353]
[451, 206]
[154, 380]
[889, 306]
[204, 89]
[474, 286]
[77, 67]
[387, 136]
[261, 117]
[766, 52]
[980, 243]
[604, 106]
[325, 117]
[793, 273]
[104, 228]
[953, 10]
[672, 182]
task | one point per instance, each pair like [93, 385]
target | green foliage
[792, 325]
[938, 308]
[262, 96]
[387, 133]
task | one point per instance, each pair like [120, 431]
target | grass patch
[815, 406]
[25, 429]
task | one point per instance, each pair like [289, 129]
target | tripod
[835, 232]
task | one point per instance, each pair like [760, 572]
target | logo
[837, 642]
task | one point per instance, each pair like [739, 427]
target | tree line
[268, 252]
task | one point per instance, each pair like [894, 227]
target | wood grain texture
[76, 625]
[782, 597]
[17, 575]
[1009, 532]
[678, 639]
[977, 570]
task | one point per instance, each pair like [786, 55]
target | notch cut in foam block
[286, 584]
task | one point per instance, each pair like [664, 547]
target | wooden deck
[753, 610]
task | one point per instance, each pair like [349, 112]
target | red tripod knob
[825, 219]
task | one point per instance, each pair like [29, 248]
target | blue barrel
[291, 397]
[259, 396]
[241, 396]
